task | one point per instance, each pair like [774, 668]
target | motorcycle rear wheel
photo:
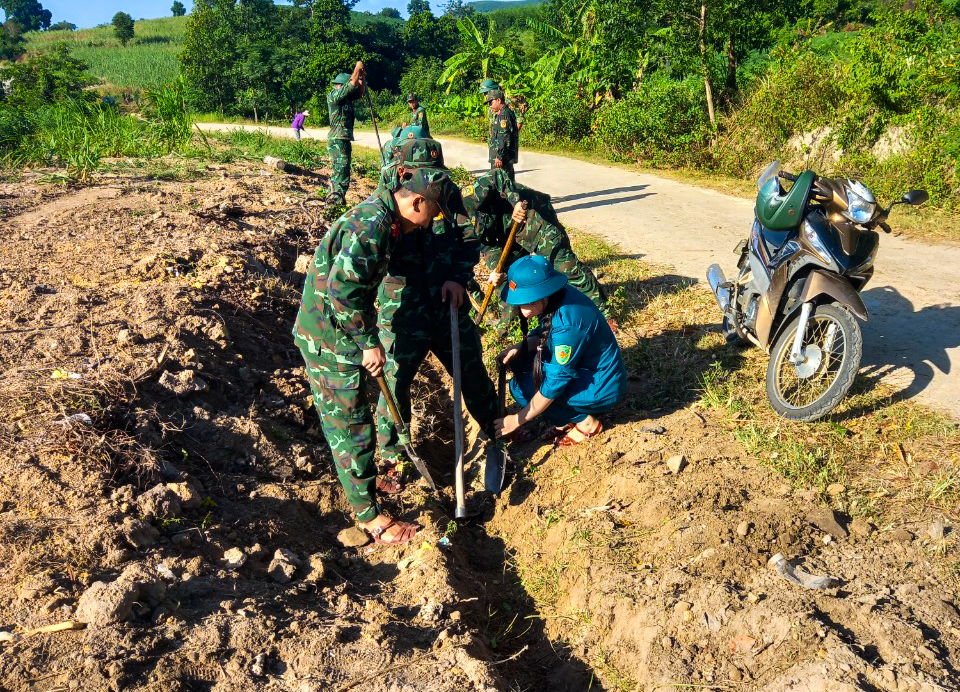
[814, 388]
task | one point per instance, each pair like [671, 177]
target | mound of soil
[166, 499]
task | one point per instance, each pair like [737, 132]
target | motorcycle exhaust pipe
[716, 279]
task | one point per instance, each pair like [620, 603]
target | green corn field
[149, 60]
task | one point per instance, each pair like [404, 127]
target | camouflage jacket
[342, 280]
[340, 107]
[418, 117]
[503, 141]
[490, 201]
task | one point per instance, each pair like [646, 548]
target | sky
[89, 13]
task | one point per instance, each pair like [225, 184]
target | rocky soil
[168, 506]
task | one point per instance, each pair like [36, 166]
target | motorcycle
[799, 277]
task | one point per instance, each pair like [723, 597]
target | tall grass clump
[50, 119]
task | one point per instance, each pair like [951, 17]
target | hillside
[494, 5]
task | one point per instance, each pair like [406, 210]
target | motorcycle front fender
[820, 283]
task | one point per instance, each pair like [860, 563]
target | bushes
[664, 123]
[562, 116]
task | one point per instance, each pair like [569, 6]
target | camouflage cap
[493, 94]
[488, 84]
[432, 184]
[342, 78]
[418, 153]
[412, 97]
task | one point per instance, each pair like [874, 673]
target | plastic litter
[659, 430]
[77, 418]
[799, 576]
[444, 542]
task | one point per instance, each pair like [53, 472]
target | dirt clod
[676, 463]
[283, 565]
[353, 537]
[110, 602]
[139, 533]
[160, 502]
[828, 521]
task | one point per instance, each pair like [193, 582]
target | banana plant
[478, 55]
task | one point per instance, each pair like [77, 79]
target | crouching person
[568, 370]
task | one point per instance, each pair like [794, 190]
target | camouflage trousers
[340, 151]
[340, 395]
[407, 343]
[507, 168]
[540, 237]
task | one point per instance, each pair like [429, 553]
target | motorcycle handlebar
[787, 176]
[886, 227]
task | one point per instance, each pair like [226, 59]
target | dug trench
[163, 482]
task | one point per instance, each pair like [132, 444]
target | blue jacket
[585, 367]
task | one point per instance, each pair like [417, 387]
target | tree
[415, 7]
[478, 56]
[12, 45]
[390, 13]
[28, 14]
[47, 77]
[63, 26]
[178, 9]
[459, 9]
[123, 27]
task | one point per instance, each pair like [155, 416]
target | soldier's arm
[355, 273]
[506, 187]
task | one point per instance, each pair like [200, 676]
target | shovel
[461, 509]
[507, 246]
[403, 434]
[495, 470]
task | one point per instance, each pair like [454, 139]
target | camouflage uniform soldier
[349, 88]
[418, 114]
[427, 269]
[401, 135]
[493, 201]
[337, 335]
[503, 142]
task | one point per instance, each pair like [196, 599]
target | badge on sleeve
[563, 353]
[503, 124]
[468, 191]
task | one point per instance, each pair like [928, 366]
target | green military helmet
[412, 132]
[494, 94]
[530, 279]
[418, 152]
[342, 78]
[488, 85]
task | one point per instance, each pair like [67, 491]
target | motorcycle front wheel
[832, 349]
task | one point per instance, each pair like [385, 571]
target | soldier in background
[340, 104]
[503, 143]
[418, 114]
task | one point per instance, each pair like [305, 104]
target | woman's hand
[508, 354]
[519, 213]
[506, 425]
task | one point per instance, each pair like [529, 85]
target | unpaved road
[912, 339]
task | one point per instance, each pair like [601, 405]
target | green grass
[147, 61]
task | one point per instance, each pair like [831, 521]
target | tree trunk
[731, 85]
[255, 119]
[707, 87]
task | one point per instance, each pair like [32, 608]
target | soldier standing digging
[428, 270]
[337, 334]
[340, 104]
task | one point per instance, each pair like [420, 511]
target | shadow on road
[604, 202]
[908, 347]
[597, 193]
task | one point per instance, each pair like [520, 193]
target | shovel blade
[421, 467]
[495, 469]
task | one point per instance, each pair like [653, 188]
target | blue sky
[88, 13]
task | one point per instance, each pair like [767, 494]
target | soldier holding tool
[340, 105]
[336, 330]
[427, 271]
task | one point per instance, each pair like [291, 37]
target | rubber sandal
[407, 531]
[388, 485]
[567, 441]
[614, 325]
[554, 433]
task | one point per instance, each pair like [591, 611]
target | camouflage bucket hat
[434, 184]
[419, 153]
[341, 78]
[493, 94]
[488, 84]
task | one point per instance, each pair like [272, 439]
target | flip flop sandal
[567, 441]
[554, 433]
[388, 484]
[407, 531]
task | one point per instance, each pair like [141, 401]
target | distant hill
[493, 5]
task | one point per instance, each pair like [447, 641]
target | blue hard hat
[530, 279]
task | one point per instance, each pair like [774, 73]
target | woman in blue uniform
[569, 369]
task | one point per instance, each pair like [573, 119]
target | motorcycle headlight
[861, 204]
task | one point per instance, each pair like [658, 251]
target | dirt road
[913, 337]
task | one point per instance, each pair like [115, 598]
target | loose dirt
[163, 481]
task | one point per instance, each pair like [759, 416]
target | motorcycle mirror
[916, 197]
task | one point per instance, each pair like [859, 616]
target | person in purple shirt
[297, 123]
